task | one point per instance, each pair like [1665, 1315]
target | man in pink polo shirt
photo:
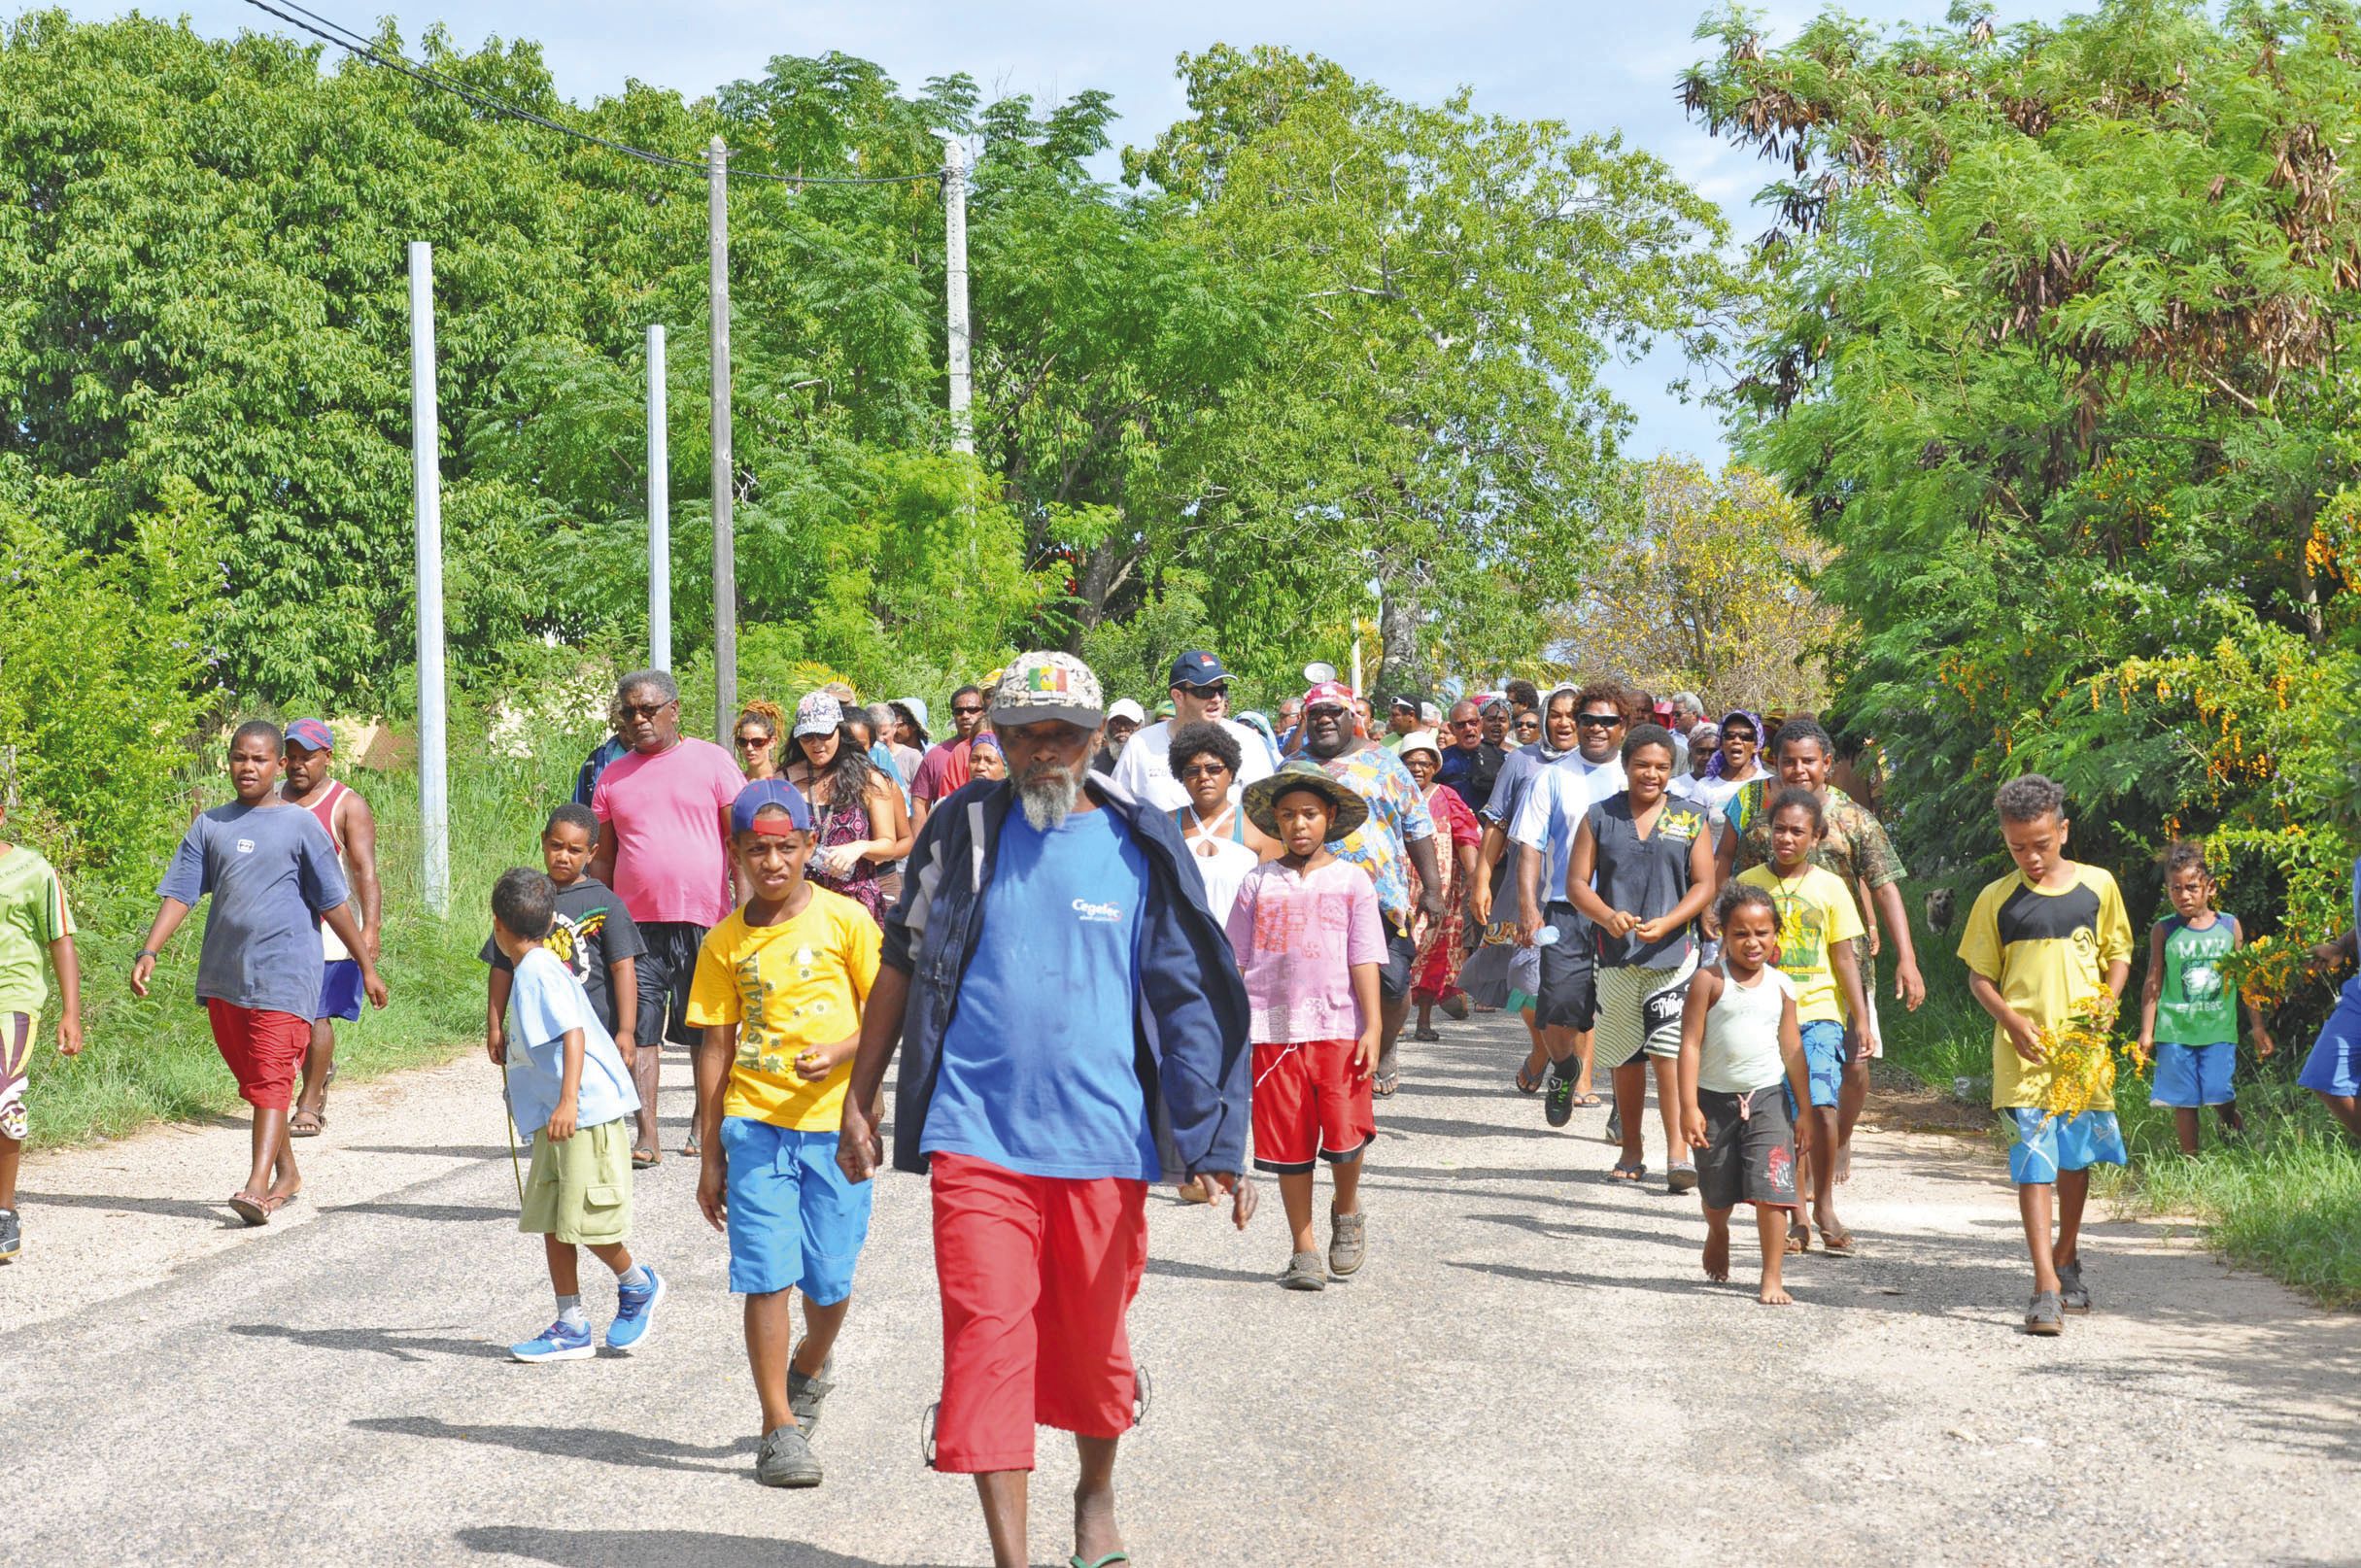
[663, 846]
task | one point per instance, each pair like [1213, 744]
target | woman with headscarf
[1435, 971]
[857, 810]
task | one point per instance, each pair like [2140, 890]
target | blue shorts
[2334, 1066]
[2187, 1076]
[340, 989]
[794, 1219]
[1824, 1058]
[2047, 1144]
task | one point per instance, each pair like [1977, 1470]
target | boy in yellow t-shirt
[2039, 945]
[778, 991]
[1818, 921]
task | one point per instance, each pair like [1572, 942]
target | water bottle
[1546, 937]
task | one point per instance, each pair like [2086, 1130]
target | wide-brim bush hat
[1262, 797]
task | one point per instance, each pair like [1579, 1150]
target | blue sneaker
[559, 1342]
[635, 1312]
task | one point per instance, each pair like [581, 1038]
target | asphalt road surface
[1531, 1368]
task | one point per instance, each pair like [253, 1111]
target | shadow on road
[1174, 1269]
[448, 1151]
[170, 1208]
[651, 1549]
[401, 1344]
[430, 1211]
[602, 1444]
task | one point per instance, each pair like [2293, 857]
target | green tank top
[2197, 1005]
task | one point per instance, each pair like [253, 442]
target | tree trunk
[1401, 667]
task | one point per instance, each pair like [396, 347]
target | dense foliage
[2052, 356]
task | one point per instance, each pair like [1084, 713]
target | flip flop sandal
[643, 1159]
[297, 1129]
[1836, 1245]
[1588, 1101]
[1798, 1239]
[1424, 1035]
[1108, 1561]
[254, 1210]
[1383, 1087]
[1634, 1172]
[1525, 1085]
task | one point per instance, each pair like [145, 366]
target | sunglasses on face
[1598, 721]
[1207, 694]
[1737, 737]
[752, 743]
[648, 710]
[1205, 770]
[968, 711]
[1467, 724]
[1327, 710]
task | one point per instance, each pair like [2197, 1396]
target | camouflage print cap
[1041, 687]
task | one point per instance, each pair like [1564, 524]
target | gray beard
[1048, 801]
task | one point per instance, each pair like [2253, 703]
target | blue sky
[1595, 66]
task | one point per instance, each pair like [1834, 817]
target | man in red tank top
[311, 747]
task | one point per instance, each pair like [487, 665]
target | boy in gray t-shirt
[274, 879]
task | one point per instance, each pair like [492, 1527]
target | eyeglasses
[1205, 770]
[1323, 711]
[1737, 737]
[1207, 694]
[752, 743]
[968, 712]
[649, 710]
[1467, 724]
[1598, 721]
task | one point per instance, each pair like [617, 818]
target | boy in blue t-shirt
[567, 1085]
[2188, 1014]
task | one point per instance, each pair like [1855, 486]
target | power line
[353, 43]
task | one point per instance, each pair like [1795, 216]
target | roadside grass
[152, 1060]
[2284, 1200]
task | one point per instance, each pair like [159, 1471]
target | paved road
[1530, 1369]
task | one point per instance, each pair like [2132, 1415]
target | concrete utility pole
[724, 549]
[660, 512]
[955, 288]
[427, 495]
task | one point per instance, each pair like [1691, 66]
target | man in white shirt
[1543, 831]
[1201, 691]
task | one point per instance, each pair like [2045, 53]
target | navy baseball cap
[769, 792]
[1197, 669]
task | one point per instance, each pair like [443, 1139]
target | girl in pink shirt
[1309, 941]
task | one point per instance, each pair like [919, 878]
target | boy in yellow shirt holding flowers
[2048, 950]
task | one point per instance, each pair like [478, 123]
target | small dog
[1938, 910]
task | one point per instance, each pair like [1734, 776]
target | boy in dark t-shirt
[593, 937]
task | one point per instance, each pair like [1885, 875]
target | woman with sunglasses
[856, 810]
[759, 725]
[1222, 845]
[1527, 727]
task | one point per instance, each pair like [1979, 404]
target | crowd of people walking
[1113, 948]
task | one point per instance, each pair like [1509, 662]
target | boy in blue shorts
[778, 992]
[569, 1087]
[2332, 1070]
[2186, 1001]
[2038, 945]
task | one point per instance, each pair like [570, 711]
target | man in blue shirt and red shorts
[1076, 1029]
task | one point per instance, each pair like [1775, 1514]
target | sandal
[1634, 1172]
[1108, 1561]
[1798, 1239]
[1837, 1243]
[644, 1158]
[1424, 1035]
[1525, 1085]
[249, 1208]
[319, 1122]
[693, 1148]
[1385, 1085]
[1587, 1100]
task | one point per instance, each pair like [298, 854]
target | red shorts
[264, 1050]
[1036, 1274]
[1308, 1102]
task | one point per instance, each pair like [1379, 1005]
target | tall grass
[2284, 1199]
[153, 1060]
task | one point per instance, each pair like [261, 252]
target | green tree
[2051, 358]
[1432, 418]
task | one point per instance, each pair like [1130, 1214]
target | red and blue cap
[312, 735]
[1197, 669]
[763, 793]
